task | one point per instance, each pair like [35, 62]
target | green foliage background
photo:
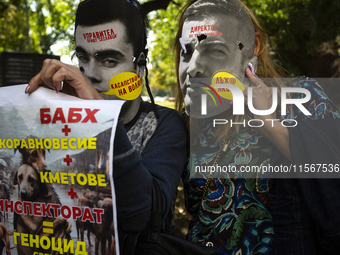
[164, 25]
[49, 22]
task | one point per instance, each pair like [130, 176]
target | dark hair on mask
[96, 12]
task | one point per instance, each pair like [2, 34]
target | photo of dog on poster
[55, 190]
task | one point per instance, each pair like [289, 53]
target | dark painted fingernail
[27, 90]
[52, 87]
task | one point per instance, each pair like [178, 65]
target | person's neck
[130, 109]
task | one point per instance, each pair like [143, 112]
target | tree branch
[153, 6]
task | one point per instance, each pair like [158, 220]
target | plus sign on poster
[55, 173]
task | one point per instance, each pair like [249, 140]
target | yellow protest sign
[221, 78]
[126, 85]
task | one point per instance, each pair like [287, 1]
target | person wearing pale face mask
[150, 141]
[220, 42]
[217, 36]
[211, 43]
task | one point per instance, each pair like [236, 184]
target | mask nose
[91, 72]
[196, 66]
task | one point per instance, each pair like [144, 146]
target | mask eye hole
[202, 37]
[239, 45]
[188, 52]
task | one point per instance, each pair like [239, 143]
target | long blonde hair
[266, 68]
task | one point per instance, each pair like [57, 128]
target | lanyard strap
[224, 148]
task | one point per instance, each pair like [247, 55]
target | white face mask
[107, 60]
[217, 47]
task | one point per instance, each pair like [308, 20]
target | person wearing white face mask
[221, 43]
[150, 141]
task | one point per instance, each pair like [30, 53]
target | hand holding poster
[55, 172]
